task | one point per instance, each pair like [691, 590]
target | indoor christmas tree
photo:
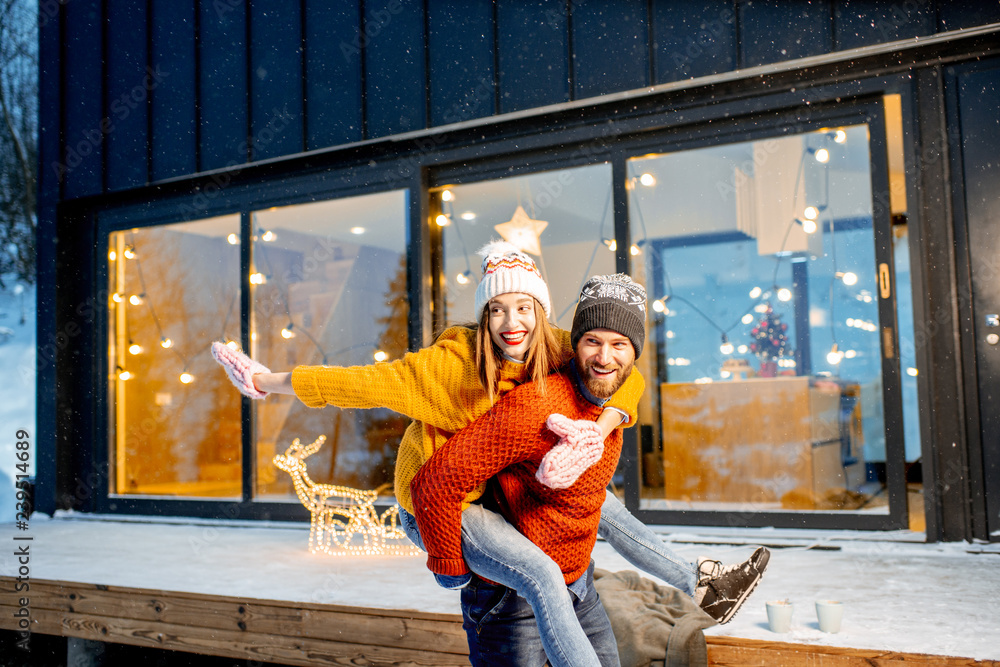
[770, 342]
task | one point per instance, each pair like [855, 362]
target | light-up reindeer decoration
[340, 513]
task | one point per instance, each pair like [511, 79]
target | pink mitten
[240, 368]
[580, 446]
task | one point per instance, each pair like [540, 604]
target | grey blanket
[655, 625]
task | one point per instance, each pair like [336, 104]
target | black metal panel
[863, 22]
[956, 15]
[461, 57]
[693, 39]
[395, 67]
[332, 73]
[773, 31]
[610, 46]
[936, 320]
[532, 54]
[222, 84]
[81, 164]
[174, 126]
[126, 90]
[276, 126]
[977, 206]
[47, 465]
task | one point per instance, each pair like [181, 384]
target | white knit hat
[506, 269]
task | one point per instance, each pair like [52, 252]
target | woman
[448, 385]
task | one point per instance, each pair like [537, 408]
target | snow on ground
[899, 594]
[17, 391]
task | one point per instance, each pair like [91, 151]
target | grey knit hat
[612, 302]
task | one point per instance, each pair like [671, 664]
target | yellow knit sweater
[437, 387]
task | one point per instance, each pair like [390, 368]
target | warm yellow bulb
[726, 348]
[822, 155]
[124, 376]
[381, 355]
[129, 253]
[850, 278]
[462, 279]
[166, 343]
[442, 220]
[784, 294]
[112, 255]
[809, 226]
[135, 300]
[647, 179]
[269, 236]
[634, 250]
[233, 239]
[232, 345]
[357, 231]
[612, 244]
[447, 195]
[811, 212]
[287, 333]
[135, 348]
[257, 279]
[187, 378]
[117, 297]
[840, 136]
[659, 306]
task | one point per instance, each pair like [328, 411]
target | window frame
[244, 199]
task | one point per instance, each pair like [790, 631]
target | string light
[112, 255]
[287, 331]
[468, 216]
[232, 345]
[648, 180]
[447, 195]
[136, 299]
[268, 236]
[784, 294]
[186, 378]
[726, 347]
[257, 279]
[442, 220]
[134, 348]
[755, 292]
[463, 278]
[381, 355]
[834, 355]
[634, 250]
[344, 520]
[357, 231]
[808, 225]
[611, 243]
[117, 297]
[840, 136]
[233, 239]
[849, 277]
[129, 252]
[123, 374]
[166, 343]
[810, 213]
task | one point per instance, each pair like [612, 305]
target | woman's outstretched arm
[274, 383]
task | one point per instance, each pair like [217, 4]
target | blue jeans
[502, 629]
[497, 551]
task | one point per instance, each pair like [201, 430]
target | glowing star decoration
[523, 232]
[344, 520]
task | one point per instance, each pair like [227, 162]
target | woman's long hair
[544, 354]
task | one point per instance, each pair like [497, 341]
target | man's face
[604, 359]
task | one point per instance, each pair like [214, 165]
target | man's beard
[607, 386]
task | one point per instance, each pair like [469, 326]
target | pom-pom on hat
[611, 302]
[506, 269]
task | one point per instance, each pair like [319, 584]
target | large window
[327, 285]
[564, 219]
[767, 333]
[176, 421]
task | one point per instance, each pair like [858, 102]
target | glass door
[773, 373]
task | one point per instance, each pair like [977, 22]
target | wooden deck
[322, 634]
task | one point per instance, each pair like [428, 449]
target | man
[514, 442]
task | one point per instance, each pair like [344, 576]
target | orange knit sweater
[509, 442]
[437, 386]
